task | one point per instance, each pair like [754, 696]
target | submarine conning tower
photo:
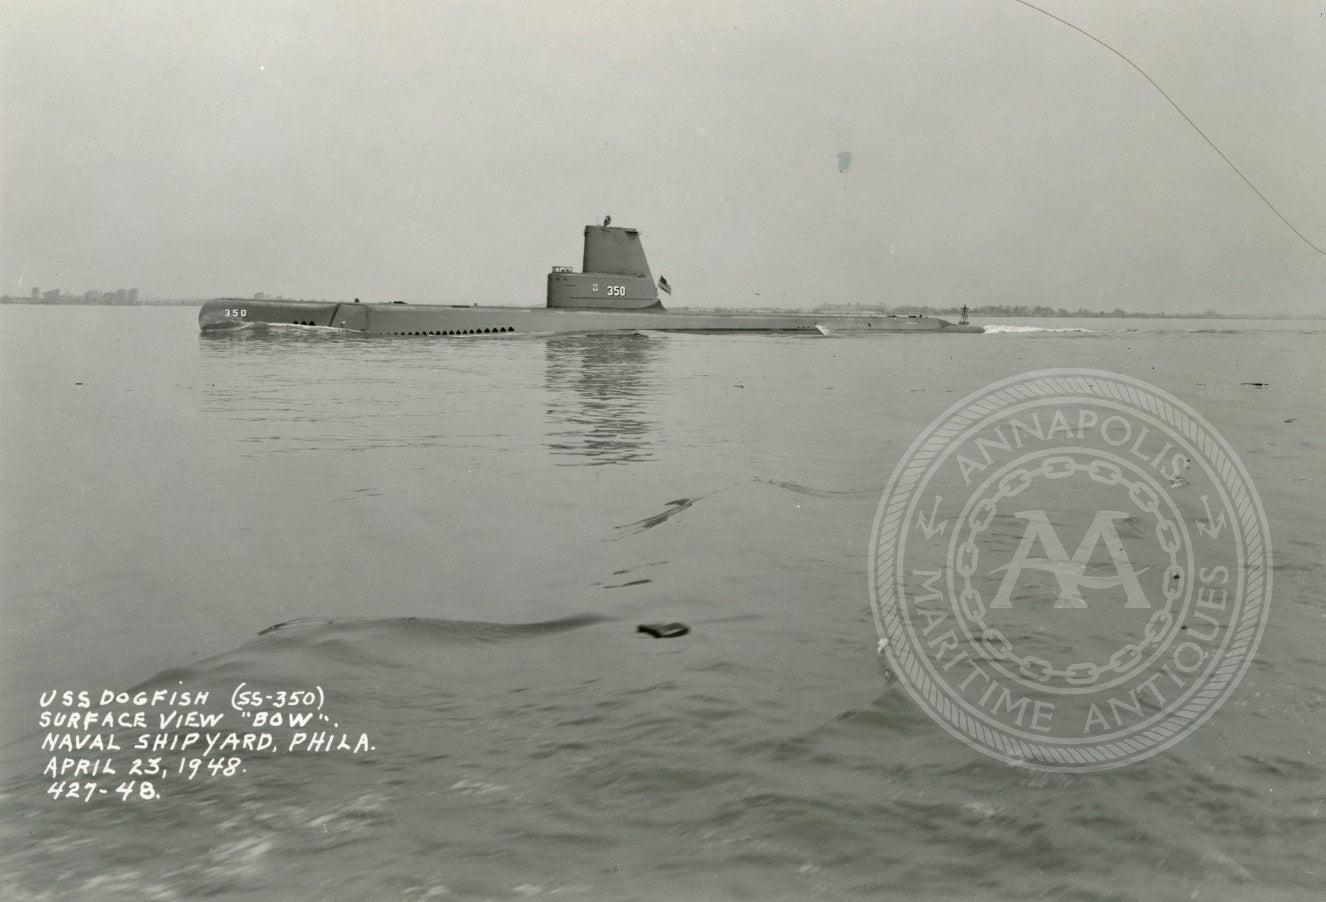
[614, 274]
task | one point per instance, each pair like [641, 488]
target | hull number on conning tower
[236, 312]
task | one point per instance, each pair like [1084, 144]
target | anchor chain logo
[1070, 570]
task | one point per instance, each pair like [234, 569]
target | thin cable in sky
[1185, 116]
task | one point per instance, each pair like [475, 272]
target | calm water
[474, 528]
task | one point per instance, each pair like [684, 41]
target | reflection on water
[296, 389]
[598, 388]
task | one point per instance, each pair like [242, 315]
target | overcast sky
[452, 152]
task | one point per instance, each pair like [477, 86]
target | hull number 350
[236, 312]
[613, 291]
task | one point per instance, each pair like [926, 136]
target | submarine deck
[451, 320]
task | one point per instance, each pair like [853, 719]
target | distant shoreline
[82, 303]
[1047, 312]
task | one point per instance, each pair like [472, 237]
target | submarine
[614, 292]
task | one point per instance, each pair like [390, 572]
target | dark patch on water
[634, 582]
[797, 488]
[663, 630]
[673, 508]
[464, 630]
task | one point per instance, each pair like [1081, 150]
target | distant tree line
[93, 296]
[1024, 310]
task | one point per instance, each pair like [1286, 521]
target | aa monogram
[1065, 661]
